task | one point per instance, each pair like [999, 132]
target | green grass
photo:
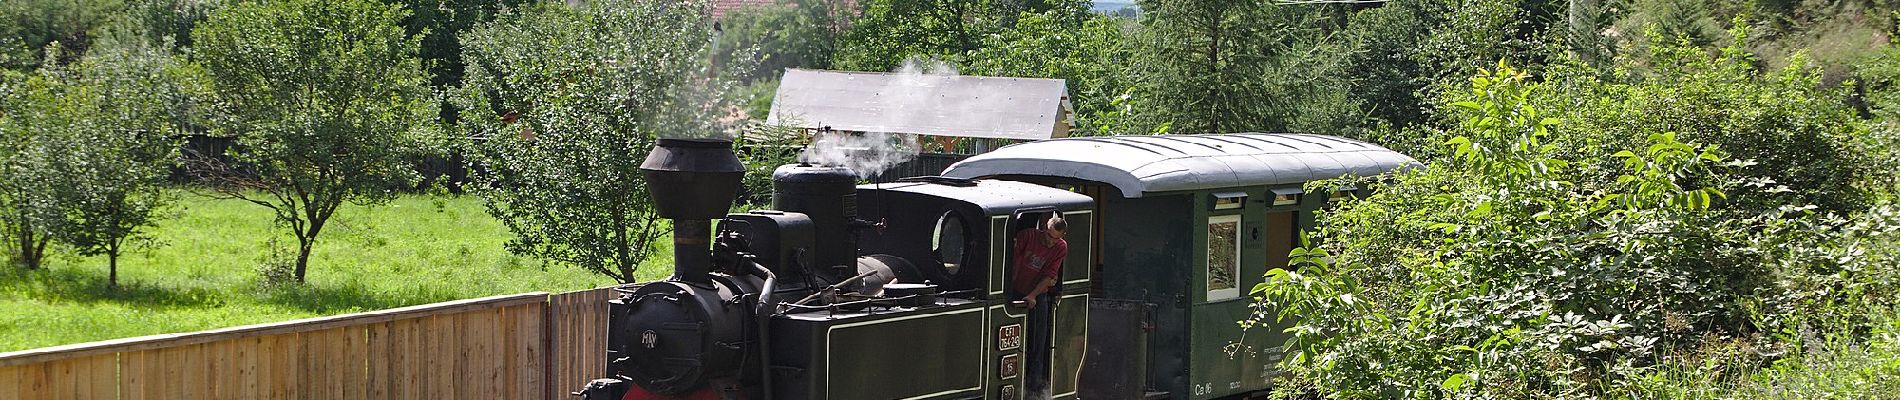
[203, 274]
[1842, 365]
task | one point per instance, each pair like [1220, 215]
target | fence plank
[284, 381]
[443, 350]
[10, 382]
[377, 356]
[245, 361]
[407, 347]
[132, 376]
[529, 352]
[194, 372]
[356, 362]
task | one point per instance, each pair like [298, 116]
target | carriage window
[1223, 257]
[947, 241]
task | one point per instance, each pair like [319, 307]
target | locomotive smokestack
[691, 182]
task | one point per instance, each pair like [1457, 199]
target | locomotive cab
[955, 233]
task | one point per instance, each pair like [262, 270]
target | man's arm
[1042, 286]
[1051, 273]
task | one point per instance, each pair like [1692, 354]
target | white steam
[907, 99]
[865, 155]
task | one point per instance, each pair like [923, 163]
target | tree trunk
[303, 254]
[307, 240]
[32, 248]
[112, 274]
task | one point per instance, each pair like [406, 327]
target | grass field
[203, 273]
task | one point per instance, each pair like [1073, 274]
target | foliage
[790, 34]
[887, 32]
[25, 115]
[290, 81]
[28, 26]
[1506, 271]
[105, 144]
[564, 103]
[1086, 53]
[1801, 145]
[439, 24]
[1208, 65]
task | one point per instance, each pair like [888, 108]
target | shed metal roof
[942, 105]
[1140, 165]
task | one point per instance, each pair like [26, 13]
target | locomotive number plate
[1009, 337]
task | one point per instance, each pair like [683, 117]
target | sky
[1112, 5]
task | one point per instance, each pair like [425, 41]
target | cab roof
[1142, 165]
[995, 197]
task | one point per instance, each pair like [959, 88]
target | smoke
[907, 99]
[865, 155]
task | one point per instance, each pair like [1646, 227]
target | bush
[1507, 271]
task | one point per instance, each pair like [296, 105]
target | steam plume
[906, 99]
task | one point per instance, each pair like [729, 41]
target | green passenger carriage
[1183, 226]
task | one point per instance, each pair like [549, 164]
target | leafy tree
[1086, 53]
[108, 145]
[439, 23]
[1221, 66]
[1804, 146]
[887, 32]
[326, 98]
[30, 25]
[564, 104]
[1508, 271]
[790, 34]
[25, 118]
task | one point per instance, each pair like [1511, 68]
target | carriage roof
[1141, 165]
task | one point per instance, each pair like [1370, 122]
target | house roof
[942, 105]
[1140, 165]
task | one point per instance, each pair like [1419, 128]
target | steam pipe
[692, 251]
[768, 306]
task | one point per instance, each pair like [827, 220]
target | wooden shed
[945, 109]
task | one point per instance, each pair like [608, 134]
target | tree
[104, 161]
[1208, 66]
[24, 120]
[326, 99]
[1087, 53]
[790, 34]
[564, 103]
[887, 32]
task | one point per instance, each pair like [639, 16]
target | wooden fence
[525, 346]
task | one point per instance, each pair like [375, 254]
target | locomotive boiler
[813, 299]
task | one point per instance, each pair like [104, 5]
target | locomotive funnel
[692, 181]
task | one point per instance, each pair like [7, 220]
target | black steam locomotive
[815, 300]
[896, 290]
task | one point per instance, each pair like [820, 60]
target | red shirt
[1036, 259]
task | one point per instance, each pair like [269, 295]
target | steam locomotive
[780, 304]
[896, 290]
